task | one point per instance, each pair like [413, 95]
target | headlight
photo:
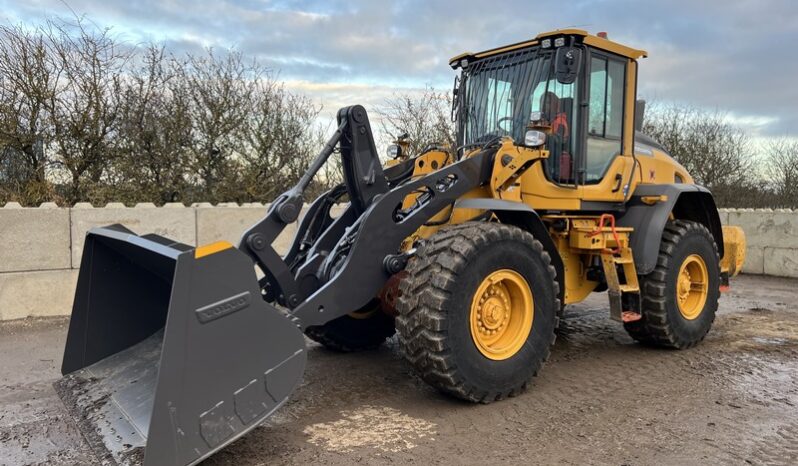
[534, 138]
[394, 151]
[535, 116]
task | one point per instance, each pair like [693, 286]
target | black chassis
[338, 265]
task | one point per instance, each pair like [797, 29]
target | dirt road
[601, 399]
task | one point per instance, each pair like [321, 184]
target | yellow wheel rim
[501, 317]
[692, 286]
[363, 314]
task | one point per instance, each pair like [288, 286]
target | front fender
[524, 217]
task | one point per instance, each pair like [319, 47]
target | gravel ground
[601, 399]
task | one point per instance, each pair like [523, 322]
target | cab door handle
[618, 181]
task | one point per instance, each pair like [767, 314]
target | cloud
[737, 56]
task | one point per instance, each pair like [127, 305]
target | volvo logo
[224, 307]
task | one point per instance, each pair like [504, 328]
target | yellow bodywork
[582, 241]
[734, 250]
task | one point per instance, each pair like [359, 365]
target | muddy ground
[601, 399]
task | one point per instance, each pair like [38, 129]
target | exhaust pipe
[171, 352]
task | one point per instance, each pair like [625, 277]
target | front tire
[365, 329]
[680, 296]
[478, 310]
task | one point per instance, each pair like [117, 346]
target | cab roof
[587, 38]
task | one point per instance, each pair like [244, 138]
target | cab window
[555, 101]
[500, 105]
[605, 119]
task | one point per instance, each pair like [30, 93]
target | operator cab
[580, 87]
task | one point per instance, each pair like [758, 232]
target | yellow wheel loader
[469, 253]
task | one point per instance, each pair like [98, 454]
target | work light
[534, 138]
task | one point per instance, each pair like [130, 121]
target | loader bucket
[172, 352]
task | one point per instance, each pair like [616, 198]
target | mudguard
[525, 217]
[688, 201]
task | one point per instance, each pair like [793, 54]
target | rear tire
[362, 330]
[457, 277]
[680, 296]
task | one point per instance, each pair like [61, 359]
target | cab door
[606, 163]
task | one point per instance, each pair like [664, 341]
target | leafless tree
[717, 154]
[425, 117]
[221, 89]
[28, 85]
[781, 171]
[154, 131]
[283, 139]
[84, 117]
[85, 108]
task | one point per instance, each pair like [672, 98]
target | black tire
[662, 324]
[363, 330]
[435, 304]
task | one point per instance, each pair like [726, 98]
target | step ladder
[624, 297]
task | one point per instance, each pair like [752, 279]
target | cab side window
[605, 119]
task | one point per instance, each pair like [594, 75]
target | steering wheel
[499, 125]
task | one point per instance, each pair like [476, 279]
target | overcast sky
[739, 56]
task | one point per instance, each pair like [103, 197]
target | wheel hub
[692, 285]
[501, 314]
[494, 310]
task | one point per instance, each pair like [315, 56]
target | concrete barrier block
[754, 260]
[37, 294]
[724, 217]
[767, 228]
[225, 223]
[177, 224]
[781, 262]
[34, 239]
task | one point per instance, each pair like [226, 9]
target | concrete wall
[772, 239]
[40, 248]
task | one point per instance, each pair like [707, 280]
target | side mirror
[567, 63]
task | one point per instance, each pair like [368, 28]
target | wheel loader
[469, 253]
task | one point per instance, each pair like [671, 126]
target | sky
[736, 56]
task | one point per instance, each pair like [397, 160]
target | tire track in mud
[601, 399]
[743, 379]
[601, 396]
[779, 448]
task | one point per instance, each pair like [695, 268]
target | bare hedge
[85, 118]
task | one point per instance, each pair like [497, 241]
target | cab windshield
[497, 94]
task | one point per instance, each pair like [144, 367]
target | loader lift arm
[340, 269]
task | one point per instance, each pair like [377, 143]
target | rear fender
[684, 201]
